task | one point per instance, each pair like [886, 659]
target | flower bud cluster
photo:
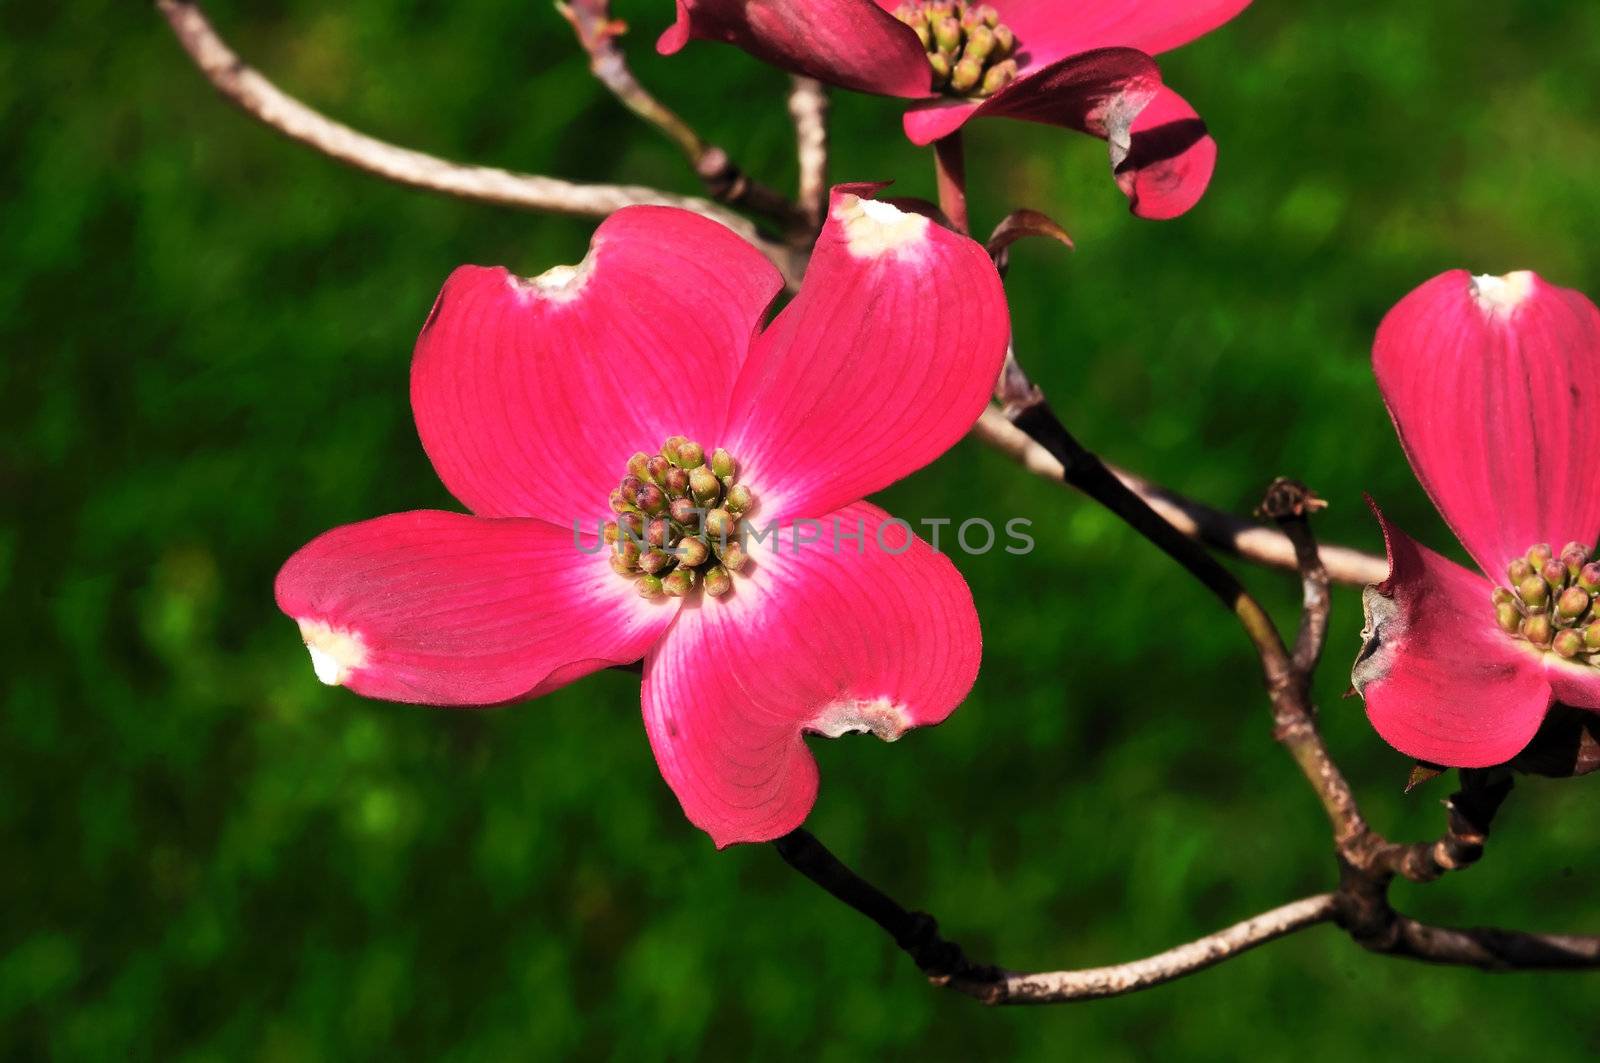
[677, 521]
[970, 50]
[1551, 601]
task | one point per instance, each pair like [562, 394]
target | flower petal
[1099, 92]
[885, 358]
[1494, 387]
[447, 609]
[1169, 159]
[828, 638]
[1049, 29]
[530, 395]
[851, 43]
[1442, 683]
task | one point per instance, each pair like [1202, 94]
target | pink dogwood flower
[1082, 64]
[543, 404]
[1494, 387]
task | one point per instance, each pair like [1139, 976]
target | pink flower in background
[1494, 387]
[544, 403]
[1081, 64]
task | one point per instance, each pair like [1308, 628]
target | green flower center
[1551, 602]
[677, 526]
[969, 48]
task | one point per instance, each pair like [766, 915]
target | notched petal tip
[1502, 295]
[335, 653]
[873, 228]
[882, 717]
[1385, 623]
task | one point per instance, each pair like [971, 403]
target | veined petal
[1442, 683]
[882, 361]
[1169, 158]
[836, 636]
[851, 43]
[530, 395]
[447, 609]
[1098, 92]
[1494, 387]
[1051, 29]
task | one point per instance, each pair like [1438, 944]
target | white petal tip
[1502, 295]
[873, 228]
[881, 717]
[558, 284]
[334, 653]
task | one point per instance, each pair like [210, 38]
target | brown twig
[724, 180]
[808, 107]
[1218, 530]
[265, 102]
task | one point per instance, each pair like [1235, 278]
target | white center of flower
[558, 283]
[1501, 295]
[873, 228]
[334, 653]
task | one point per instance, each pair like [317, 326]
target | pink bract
[530, 396]
[1493, 384]
[1082, 64]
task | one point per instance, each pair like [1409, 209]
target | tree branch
[808, 106]
[1218, 530]
[268, 104]
[725, 181]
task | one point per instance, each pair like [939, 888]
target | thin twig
[944, 963]
[265, 102]
[950, 175]
[724, 180]
[808, 106]
[1221, 531]
[1291, 504]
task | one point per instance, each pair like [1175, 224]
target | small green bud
[998, 77]
[964, 77]
[704, 484]
[690, 455]
[630, 525]
[1568, 643]
[639, 465]
[649, 586]
[669, 448]
[1573, 555]
[717, 581]
[1537, 629]
[630, 488]
[1591, 636]
[1509, 617]
[657, 532]
[1501, 596]
[734, 557]
[947, 34]
[1555, 574]
[1538, 555]
[1005, 42]
[622, 565]
[658, 468]
[1518, 571]
[941, 68]
[719, 524]
[989, 15]
[619, 504]
[1572, 603]
[1589, 577]
[652, 499]
[693, 552]
[655, 560]
[611, 532]
[677, 482]
[980, 42]
[722, 463]
[1534, 591]
[678, 583]
[682, 510]
[739, 500]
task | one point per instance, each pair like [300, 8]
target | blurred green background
[206, 333]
